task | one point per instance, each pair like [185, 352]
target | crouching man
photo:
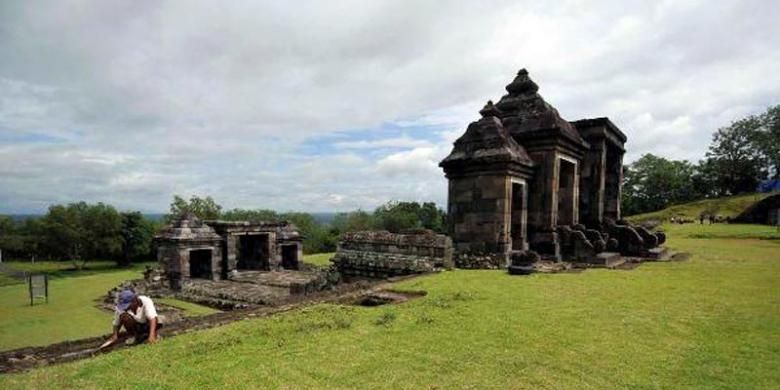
[137, 314]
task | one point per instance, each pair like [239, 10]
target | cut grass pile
[729, 206]
[710, 322]
[70, 313]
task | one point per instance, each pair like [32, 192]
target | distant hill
[324, 218]
[729, 206]
[22, 217]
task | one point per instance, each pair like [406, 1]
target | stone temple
[193, 249]
[522, 177]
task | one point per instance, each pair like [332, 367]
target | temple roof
[524, 110]
[602, 121]
[187, 227]
[486, 141]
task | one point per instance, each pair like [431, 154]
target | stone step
[608, 259]
[659, 253]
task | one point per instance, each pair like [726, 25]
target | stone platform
[608, 259]
[247, 288]
[660, 253]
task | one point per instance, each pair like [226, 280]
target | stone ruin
[523, 178]
[230, 264]
[214, 250]
[381, 254]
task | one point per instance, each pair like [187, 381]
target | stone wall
[480, 210]
[381, 254]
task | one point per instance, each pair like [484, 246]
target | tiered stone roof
[523, 110]
[486, 141]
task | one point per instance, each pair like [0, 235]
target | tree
[203, 208]
[432, 217]
[64, 231]
[11, 241]
[399, 216]
[251, 215]
[652, 183]
[768, 140]
[316, 238]
[735, 157]
[80, 232]
[103, 226]
[137, 233]
[352, 222]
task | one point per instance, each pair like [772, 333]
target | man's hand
[152, 330]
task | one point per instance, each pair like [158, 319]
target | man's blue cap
[125, 298]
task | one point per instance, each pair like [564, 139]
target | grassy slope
[72, 294]
[710, 322]
[70, 313]
[727, 206]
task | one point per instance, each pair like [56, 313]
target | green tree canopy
[203, 208]
[652, 183]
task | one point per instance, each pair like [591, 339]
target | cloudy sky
[339, 105]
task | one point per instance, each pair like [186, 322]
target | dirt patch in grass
[680, 256]
[384, 297]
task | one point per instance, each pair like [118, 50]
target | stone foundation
[381, 254]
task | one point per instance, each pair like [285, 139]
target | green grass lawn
[729, 206]
[71, 312]
[60, 269]
[710, 322]
[321, 259]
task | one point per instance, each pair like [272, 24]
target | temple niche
[522, 177]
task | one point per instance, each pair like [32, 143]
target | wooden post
[29, 286]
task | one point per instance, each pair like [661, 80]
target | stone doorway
[567, 191]
[518, 216]
[612, 180]
[290, 256]
[254, 252]
[200, 263]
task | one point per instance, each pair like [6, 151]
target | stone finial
[490, 110]
[522, 84]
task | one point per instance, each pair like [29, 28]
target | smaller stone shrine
[193, 249]
[381, 254]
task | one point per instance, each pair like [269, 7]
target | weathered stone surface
[380, 254]
[525, 257]
[567, 174]
[471, 260]
[630, 242]
[190, 248]
[661, 237]
[650, 239]
[613, 245]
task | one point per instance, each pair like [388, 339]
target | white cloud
[396, 142]
[104, 101]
